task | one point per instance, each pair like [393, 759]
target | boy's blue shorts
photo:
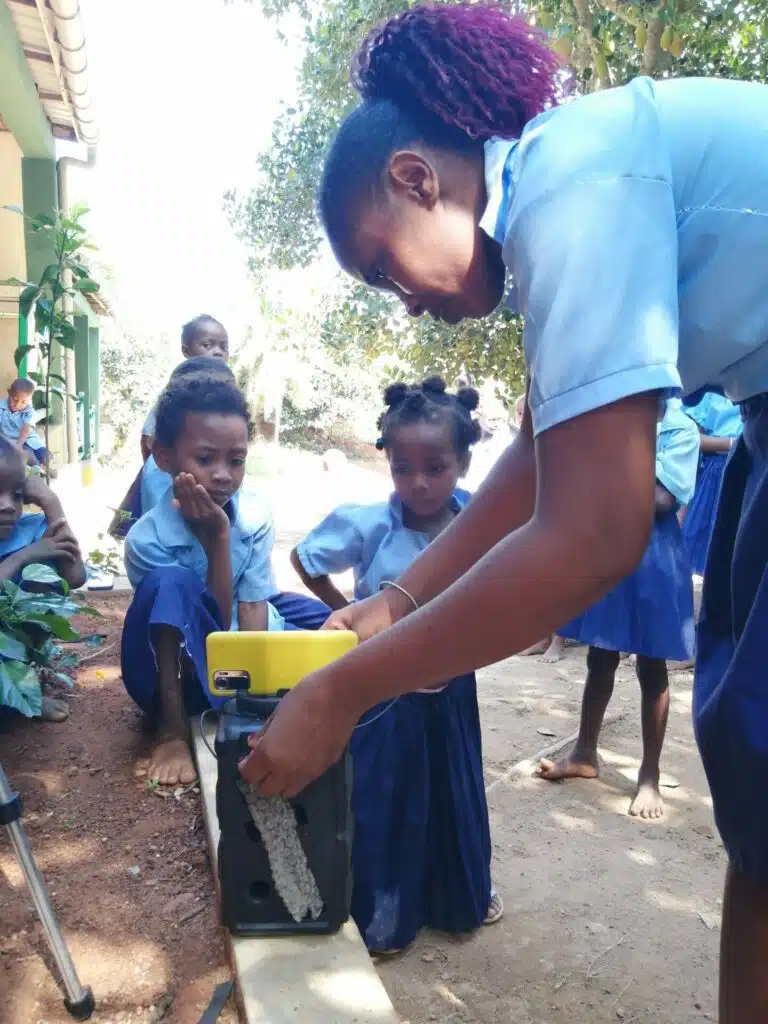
[41, 454]
[730, 701]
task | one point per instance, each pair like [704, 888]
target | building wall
[12, 254]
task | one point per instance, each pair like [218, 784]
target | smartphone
[268, 663]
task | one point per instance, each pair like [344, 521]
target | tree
[602, 42]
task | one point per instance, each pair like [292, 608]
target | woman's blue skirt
[176, 597]
[422, 850]
[700, 518]
[730, 696]
[651, 611]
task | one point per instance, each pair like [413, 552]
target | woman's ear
[415, 176]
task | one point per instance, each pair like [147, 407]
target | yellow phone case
[266, 663]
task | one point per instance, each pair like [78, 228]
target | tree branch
[624, 15]
[590, 44]
[652, 50]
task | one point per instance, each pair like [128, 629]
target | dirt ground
[607, 918]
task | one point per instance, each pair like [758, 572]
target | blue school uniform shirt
[677, 452]
[634, 226]
[29, 528]
[716, 416]
[372, 540]
[162, 538]
[11, 424]
[154, 484]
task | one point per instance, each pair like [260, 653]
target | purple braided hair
[473, 66]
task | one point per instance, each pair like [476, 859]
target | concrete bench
[326, 979]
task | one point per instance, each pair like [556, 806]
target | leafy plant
[32, 622]
[51, 297]
[107, 560]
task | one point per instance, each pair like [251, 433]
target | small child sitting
[26, 538]
[199, 561]
[17, 419]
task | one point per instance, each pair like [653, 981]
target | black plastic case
[250, 904]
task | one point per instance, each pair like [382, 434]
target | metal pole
[79, 1001]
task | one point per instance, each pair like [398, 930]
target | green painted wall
[82, 378]
[94, 380]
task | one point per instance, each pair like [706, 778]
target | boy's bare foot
[647, 803]
[575, 766]
[555, 652]
[53, 710]
[538, 648]
[171, 764]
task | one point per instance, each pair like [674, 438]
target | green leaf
[42, 222]
[27, 299]
[20, 688]
[76, 212]
[85, 285]
[12, 648]
[65, 679]
[39, 573]
[15, 282]
[57, 625]
[21, 354]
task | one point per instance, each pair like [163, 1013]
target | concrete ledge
[327, 979]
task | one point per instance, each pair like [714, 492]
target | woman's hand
[207, 520]
[371, 616]
[305, 736]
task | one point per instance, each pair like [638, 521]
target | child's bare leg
[170, 762]
[555, 652]
[581, 763]
[654, 686]
[744, 951]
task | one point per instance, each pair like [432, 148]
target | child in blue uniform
[26, 538]
[151, 483]
[17, 419]
[422, 850]
[629, 228]
[719, 423]
[649, 614]
[202, 336]
[199, 561]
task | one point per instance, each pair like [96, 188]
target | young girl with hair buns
[422, 852]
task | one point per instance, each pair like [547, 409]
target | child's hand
[201, 513]
[58, 544]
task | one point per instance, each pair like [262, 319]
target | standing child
[649, 614]
[203, 336]
[26, 538]
[422, 853]
[199, 561]
[17, 418]
[719, 423]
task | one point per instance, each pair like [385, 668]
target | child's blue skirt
[176, 597]
[422, 850]
[698, 523]
[651, 611]
[730, 699]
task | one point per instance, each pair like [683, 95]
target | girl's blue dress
[717, 417]
[651, 611]
[422, 849]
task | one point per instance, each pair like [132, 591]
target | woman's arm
[322, 587]
[593, 516]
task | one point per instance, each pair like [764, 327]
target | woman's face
[425, 247]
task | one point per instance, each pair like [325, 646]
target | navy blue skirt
[422, 850]
[176, 597]
[730, 697]
[651, 611]
[698, 523]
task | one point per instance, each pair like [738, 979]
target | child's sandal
[495, 909]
